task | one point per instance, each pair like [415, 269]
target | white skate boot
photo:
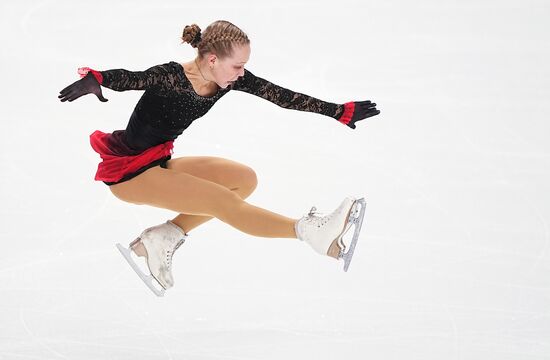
[160, 243]
[322, 231]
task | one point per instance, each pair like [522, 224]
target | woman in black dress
[138, 168]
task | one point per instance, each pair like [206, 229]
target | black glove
[86, 85]
[356, 111]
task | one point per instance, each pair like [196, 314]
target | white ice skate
[160, 243]
[321, 231]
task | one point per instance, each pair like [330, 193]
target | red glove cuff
[349, 109]
[83, 71]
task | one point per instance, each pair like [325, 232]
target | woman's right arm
[116, 79]
[121, 79]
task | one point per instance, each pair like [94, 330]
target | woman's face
[226, 71]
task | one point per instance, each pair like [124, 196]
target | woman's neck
[196, 78]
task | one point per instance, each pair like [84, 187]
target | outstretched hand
[356, 111]
[86, 85]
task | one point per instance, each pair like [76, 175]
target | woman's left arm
[347, 113]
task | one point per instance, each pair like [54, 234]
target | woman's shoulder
[175, 64]
[170, 66]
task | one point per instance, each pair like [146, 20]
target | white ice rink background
[454, 257]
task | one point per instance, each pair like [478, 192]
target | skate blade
[147, 279]
[356, 218]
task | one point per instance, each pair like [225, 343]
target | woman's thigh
[228, 173]
[177, 191]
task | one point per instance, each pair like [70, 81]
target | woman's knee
[249, 180]
[233, 175]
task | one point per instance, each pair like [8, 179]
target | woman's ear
[212, 58]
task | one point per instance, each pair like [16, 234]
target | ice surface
[454, 257]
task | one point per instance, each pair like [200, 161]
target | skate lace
[170, 253]
[321, 220]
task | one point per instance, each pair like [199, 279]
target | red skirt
[114, 166]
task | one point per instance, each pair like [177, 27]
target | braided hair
[218, 38]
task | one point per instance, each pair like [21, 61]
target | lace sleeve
[285, 98]
[121, 79]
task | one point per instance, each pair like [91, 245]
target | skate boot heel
[350, 220]
[133, 246]
[134, 243]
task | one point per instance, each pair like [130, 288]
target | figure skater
[138, 168]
